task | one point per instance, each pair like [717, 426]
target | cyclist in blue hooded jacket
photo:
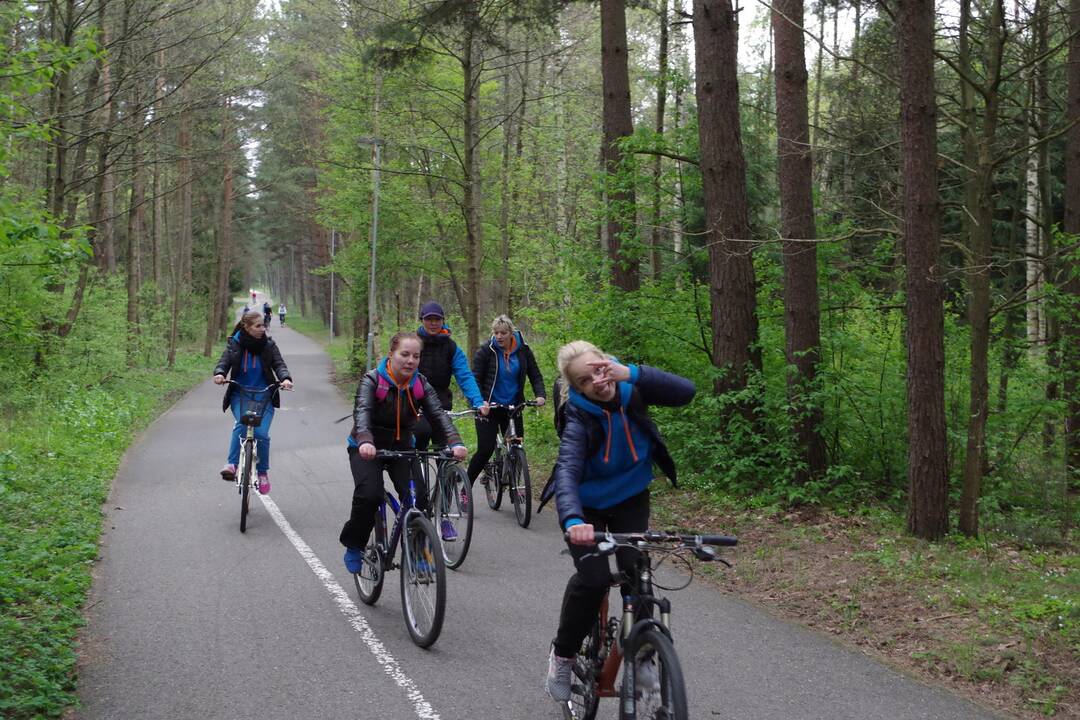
[501, 366]
[606, 455]
[388, 401]
[441, 362]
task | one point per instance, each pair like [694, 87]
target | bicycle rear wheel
[453, 504]
[423, 581]
[520, 486]
[653, 687]
[369, 580]
[247, 467]
[493, 475]
[584, 699]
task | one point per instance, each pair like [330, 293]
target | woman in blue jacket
[606, 453]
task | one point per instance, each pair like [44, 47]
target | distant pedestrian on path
[251, 359]
[281, 311]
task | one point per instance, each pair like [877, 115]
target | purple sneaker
[264, 484]
[448, 531]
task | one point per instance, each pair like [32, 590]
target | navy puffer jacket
[583, 436]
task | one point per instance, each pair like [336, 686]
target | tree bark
[618, 123]
[802, 319]
[471, 61]
[928, 512]
[657, 234]
[219, 300]
[979, 154]
[732, 287]
[1070, 322]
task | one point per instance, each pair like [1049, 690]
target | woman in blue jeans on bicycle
[252, 359]
[601, 480]
[388, 402]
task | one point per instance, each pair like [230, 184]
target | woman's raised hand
[608, 371]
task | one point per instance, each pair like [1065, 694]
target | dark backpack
[560, 424]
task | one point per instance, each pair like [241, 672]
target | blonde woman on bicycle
[607, 450]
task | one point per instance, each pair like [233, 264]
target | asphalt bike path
[189, 618]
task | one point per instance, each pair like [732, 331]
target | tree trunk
[732, 291]
[474, 241]
[136, 230]
[802, 321]
[1070, 322]
[502, 292]
[219, 300]
[979, 154]
[928, 512]
[618, 123]
[656, 241]
[158, 232]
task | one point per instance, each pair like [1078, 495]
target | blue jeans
[262, 436]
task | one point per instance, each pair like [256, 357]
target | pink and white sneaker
[264, 484]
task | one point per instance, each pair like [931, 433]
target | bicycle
[423, 570]
[451, 504]
[509, 468]
[253, 403]
[638, 643]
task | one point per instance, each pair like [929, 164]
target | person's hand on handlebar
[540, 401]
[367, 451]
[484, 409]
[459, 452]
[219, 380]
[582, 534]
[286, 384]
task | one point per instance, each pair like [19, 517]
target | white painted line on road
[352, 613]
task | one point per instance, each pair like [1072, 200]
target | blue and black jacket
[607, 451]
[235, 361]
[385, 412]
[441, 361]
[490, 365]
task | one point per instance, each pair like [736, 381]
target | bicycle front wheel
[493, 482]
[247, 467]
[369, 580]
[453, 503]
[423, 581]
[653, 685]
[520, 486]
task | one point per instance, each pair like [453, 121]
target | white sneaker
[558, 677]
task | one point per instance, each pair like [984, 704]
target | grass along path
[60, 445]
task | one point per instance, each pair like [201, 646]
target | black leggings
[587, 587]
[368, 493]
[498, 419]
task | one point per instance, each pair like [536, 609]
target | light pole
[376, 155]
[332, 239]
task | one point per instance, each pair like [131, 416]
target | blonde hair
[503, 321]
[568, 353]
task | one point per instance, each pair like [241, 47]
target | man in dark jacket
[440, 362]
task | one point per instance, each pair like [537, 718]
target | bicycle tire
[584, 698]
[423, 588]
[369, 581]
[670, 702]
[246, 469]
[493, 483]
[451, 485]
[520, 487]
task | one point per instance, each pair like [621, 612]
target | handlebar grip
[724, 540]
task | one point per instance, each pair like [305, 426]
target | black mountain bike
[253, 402]
[508, 468]
[639, 644]
[423, 571]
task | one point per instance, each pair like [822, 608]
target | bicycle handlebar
[271, 386]
[443, 454]
[661, 536]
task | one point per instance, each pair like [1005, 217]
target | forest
[854, 225]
